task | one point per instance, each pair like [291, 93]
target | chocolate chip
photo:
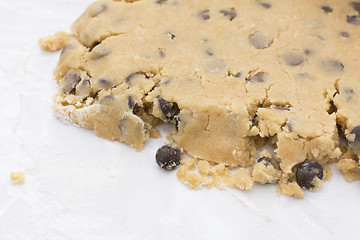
[265, 5]
[205, 15]
[209, 52]
[104, 83]
[260, 41]
[70, 81]
[162, 53]
[132, 76]
[293, 58]
[160, 2]
[349, 94]
[308, 51]
[307, 172]
[258, 78]
[353, 19]
[356, 6]
[99, 52]
[172, 36]
[132, 105]
[280, 108]
[238, 75]
[169, 109]
[327, 9]
[168, 157]
[66, 48]
[267, 161]
[332, 66]
[345, 34]
[230, 13]
[96, 10]
[289, 126]
[354, 143]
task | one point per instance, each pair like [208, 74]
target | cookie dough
[229, 75]
[17, 177]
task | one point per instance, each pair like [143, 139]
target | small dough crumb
[350, 169]
[291, 189]
[55, 42]
[17, 177]
[212, 175]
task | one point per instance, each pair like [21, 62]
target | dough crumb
[17, 177]
[290, 189]
[55, 42]
[199, 173]
[350, 169]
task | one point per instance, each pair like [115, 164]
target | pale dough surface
[229, 75]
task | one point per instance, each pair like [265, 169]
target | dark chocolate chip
[265, 5]
[209, 52]
[258, 78]
[67, 47]
[177, 121]
[280, 108]
[332, 108]
[355, 141]
[172, 36]
[289, 126]
[98, 9]
[169, 109]
[99, 53]
[345, 34]
[160, 2]
[307, 172]
[132, 105]
[349, 94]
[308, 51]
[205, 15]
[162, 53]
[327, 9]
[332, 66]
[353, 19]
[267, 161]
[229, 13]
[70, 81]
[260, 41]
[293, 58]
[238, 75]
[104, 83]
[107, 99]
[132, 76]
[168, 157]
[356, 6]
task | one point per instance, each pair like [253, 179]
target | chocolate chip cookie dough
[230, 76]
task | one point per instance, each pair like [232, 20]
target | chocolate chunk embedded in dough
[70, 81]
[353, 19]
[205, 15]
[265, 5]
[168, 157]
[259, 78]
[345, 34]
[169, 109]
[132, 105]
[229, 13]
[260, 41]
[267, 161]
[326, 9]
[332, 66]
[354, 139]
[356, 6]
[307, 172]
[293, 58]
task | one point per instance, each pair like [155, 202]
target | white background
[79, 186]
